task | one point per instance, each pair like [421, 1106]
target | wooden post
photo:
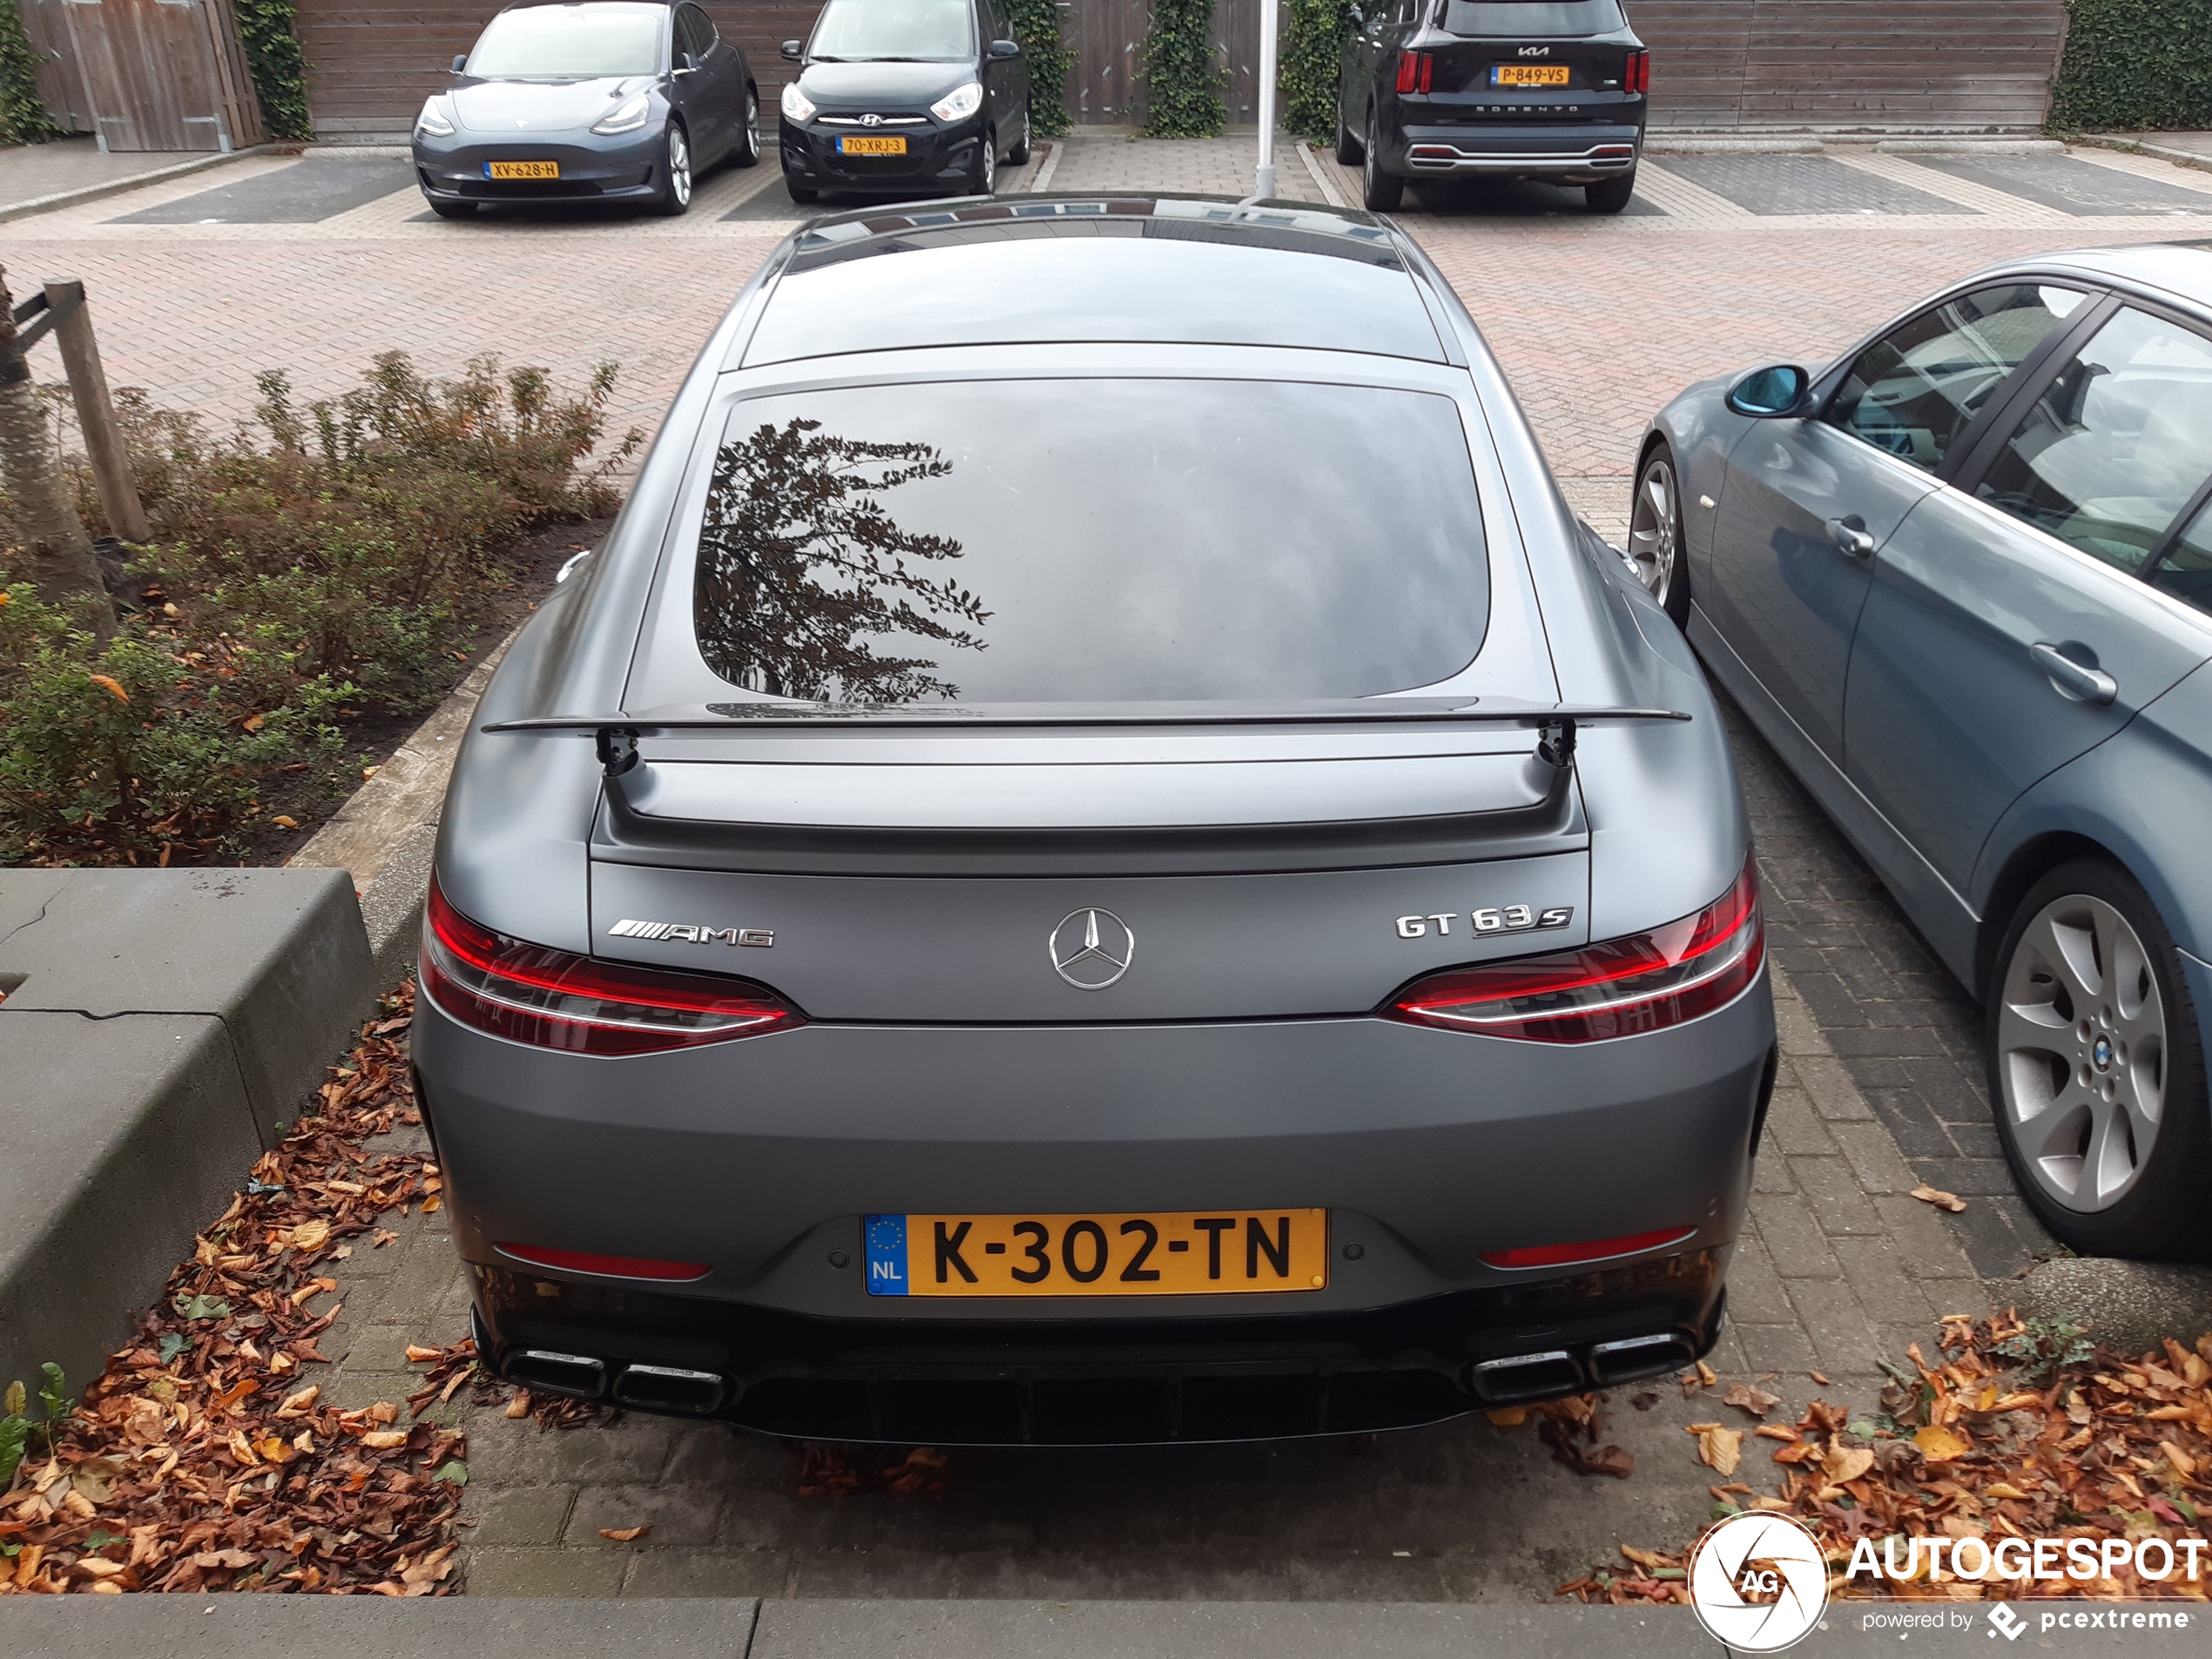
[95, 414]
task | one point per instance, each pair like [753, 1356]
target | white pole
[1265, 185]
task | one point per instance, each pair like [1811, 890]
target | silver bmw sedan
[1097, 858]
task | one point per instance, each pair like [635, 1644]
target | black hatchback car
[1551, 90]
[905, 97]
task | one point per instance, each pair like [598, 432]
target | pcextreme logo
[1758, 1581]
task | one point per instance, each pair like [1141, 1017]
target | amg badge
[1505, 919]
[692, 934]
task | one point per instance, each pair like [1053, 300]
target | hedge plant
[279, 70]
[1036, 25]
[1182, 79]
[2135, 64]
[1313, 46]
[23, 113]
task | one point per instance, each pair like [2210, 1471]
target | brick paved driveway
[1598, 321]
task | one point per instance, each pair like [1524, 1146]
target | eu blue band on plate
[887, 1237]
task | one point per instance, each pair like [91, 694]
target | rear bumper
[1566, 155]
[1428, 1149]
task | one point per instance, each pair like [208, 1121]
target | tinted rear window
[1533, 17]
[1091, 541]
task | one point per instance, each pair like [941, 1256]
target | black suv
[910, 97]
[1553, 90]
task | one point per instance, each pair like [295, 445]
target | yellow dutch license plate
[522, 170]
[859, 146]
[1196, 1253]
[1529, 75]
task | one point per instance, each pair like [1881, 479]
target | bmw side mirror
[460, 63]
[1764, 392]
[791, 52]
[1005, 49]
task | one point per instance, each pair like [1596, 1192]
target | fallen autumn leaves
[2111, 1445]
[202, 1459]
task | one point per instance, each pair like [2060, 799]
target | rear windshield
[891, 30]
[570, 43]
[1533, 17]
[1091, 541]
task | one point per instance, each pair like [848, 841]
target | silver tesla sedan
[1961, 578]
[1097, 858]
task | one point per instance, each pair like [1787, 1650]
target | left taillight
[553, 999]
[1416, 73]
[1620, 988]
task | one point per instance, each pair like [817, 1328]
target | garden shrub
[1312, 47]
[2135, 63]
[314, 566]
[1183, 78]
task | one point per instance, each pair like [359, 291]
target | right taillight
[1635, 76]
[1416, 71]
[1619, 988]
[554, 998]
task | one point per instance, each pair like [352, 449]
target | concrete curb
[2138, 147]
[117, 186]
[162, 1027]
[2127, 1305]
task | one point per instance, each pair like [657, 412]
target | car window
[699, 30]
[2118, 443]
[1914, 392]
[566, 43]
[2186, 572]
[1090, 541]
[1537, 18]
[880, 31]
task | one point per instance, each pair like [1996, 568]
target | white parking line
[1045, 168]
[1320, 178]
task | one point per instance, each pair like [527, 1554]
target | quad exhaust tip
[575, 1376]
[652, 1388]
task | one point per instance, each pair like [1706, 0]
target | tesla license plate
[860, 146]
[1194, 1254]
[522, 170]
[1528, 74]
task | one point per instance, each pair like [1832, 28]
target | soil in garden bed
[310, 796]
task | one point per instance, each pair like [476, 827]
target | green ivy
[1183, 81]
[23, 113]
[1036, 25]
[279, 70]
[2135, 64]
[1313, 46]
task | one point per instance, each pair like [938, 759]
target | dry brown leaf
[1941, 1445]
[416, 1353]
[1718, 1447]
[1748, 1397]
[2184, 1464]
[520, 1405]
[283, 821]
[1843, 1463]
[624, 1534]
[1950, 1201]
[1508, 1416]
[384, 1440]
[110, 686]
[1777, 1432]
[297, 1405]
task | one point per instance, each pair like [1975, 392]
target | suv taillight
[1635, 76]
[1416, 70]
[1616, 989]
[556, 1000]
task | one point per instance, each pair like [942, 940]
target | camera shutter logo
[1758, 1581]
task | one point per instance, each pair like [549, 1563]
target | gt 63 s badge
[1502, 918]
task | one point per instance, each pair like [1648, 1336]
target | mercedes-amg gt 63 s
[1097, 858]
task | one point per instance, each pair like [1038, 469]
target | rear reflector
[1620, 988]
[556, 1000]
[1597, 1250]
[575, 1261]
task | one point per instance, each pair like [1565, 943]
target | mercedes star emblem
[1091, 948]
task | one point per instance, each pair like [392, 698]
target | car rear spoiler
[617, 735]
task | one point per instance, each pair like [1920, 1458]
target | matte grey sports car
[1097, 858]
[1961, 578]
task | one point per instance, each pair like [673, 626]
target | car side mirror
[460, 63]
[791, 51]
[1775, 390]
[1006, 49]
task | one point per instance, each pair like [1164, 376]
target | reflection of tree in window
[799, 563]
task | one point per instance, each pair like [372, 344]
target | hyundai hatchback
[1097, 858]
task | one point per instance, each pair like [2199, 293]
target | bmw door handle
[2072, 679]
[1850, 534]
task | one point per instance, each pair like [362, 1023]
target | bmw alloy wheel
[1655, 529]
[2081, 1048]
